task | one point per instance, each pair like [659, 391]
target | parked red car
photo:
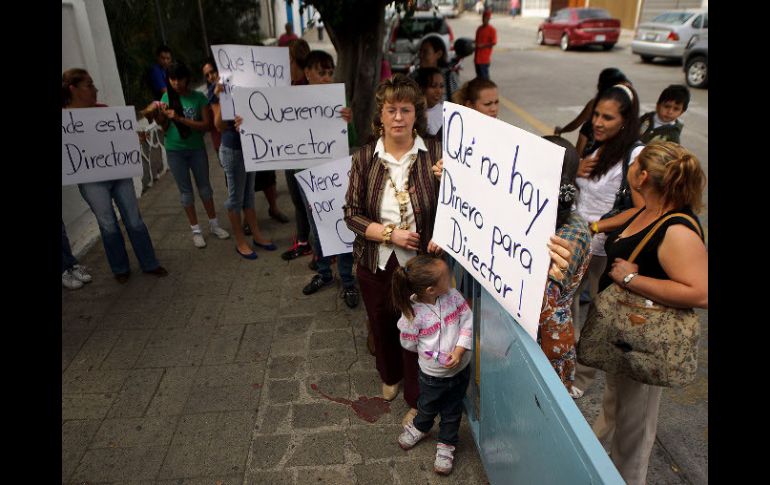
[573, 27]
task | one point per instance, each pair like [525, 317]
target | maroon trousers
[393, 361]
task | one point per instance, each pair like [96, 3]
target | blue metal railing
[527, 428]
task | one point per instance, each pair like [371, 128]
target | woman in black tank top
[672, 269]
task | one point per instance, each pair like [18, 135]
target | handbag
[630, 335]
[623, 200]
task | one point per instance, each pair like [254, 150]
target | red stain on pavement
[256, 385]
[370, 409]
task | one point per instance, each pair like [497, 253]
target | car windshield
[412, 28]
[674, 18]
[592, 13]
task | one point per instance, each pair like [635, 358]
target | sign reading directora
[99, 144]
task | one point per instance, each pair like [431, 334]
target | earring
[414, 132]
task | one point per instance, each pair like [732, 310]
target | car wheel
[564, 42]
[697, 72]
[647, 59]
[608, 47]
[540, 37]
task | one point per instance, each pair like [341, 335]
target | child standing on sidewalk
[437, 323]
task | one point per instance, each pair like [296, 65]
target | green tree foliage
[136, 34]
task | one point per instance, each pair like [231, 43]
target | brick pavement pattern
[204, 377]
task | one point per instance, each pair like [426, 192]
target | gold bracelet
[595, 227]
[387, 233]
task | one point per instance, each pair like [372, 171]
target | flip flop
[252, 255]
[267, 247]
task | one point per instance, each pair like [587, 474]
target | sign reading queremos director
[249, 66]
[294, 127]
[497, 207]
[99, 144]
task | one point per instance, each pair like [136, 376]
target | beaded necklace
[402, 196]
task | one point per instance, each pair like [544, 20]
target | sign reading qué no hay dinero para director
[291, 127]
[99, 144]
[497, 207]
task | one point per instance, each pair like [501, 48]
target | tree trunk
[357, 38]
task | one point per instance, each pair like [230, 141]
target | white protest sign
[497, 207]
[226, 103]
[99, 144]
[325, 187]
[249, 66]
[294, 127]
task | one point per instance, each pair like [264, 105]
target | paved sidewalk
[212, 374]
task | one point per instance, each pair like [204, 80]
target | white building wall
[86, 43]
[535, 8]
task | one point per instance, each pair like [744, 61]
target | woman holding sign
[184, 118]
[78, 91]
[391, 206]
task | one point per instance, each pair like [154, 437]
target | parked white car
[669, 33]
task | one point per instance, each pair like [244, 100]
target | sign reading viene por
[249, 66]
[325, 187]
[293, 127]
[497, 207]
[99, 144]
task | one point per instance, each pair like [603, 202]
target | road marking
[521, 113]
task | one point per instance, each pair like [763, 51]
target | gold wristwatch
[387, 233]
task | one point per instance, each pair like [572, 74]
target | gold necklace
[402, 196]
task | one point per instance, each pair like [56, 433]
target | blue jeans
[181, 162]
[482, 71]
[444, 396]
[99, 196]
[67, 259]
[240, 183]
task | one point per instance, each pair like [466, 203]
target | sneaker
[198, 240]
[70, 281]
[297, 250]
[219, 232]
[316, 284]
[445, 455]
[351, 296]
[576, 393]
[80, 272]
[410, 437]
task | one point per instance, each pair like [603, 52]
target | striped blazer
[364, 198]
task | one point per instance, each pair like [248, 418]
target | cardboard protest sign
[249, 66]
[99, 144]
[497, 207]
[325, 187]
[294, 127]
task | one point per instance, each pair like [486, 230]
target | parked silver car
[406, 34]
[669, 33]
[696, 64]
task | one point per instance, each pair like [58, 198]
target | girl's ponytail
[401, 290]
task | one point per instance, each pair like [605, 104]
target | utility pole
[160, 23]
[203, 28]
